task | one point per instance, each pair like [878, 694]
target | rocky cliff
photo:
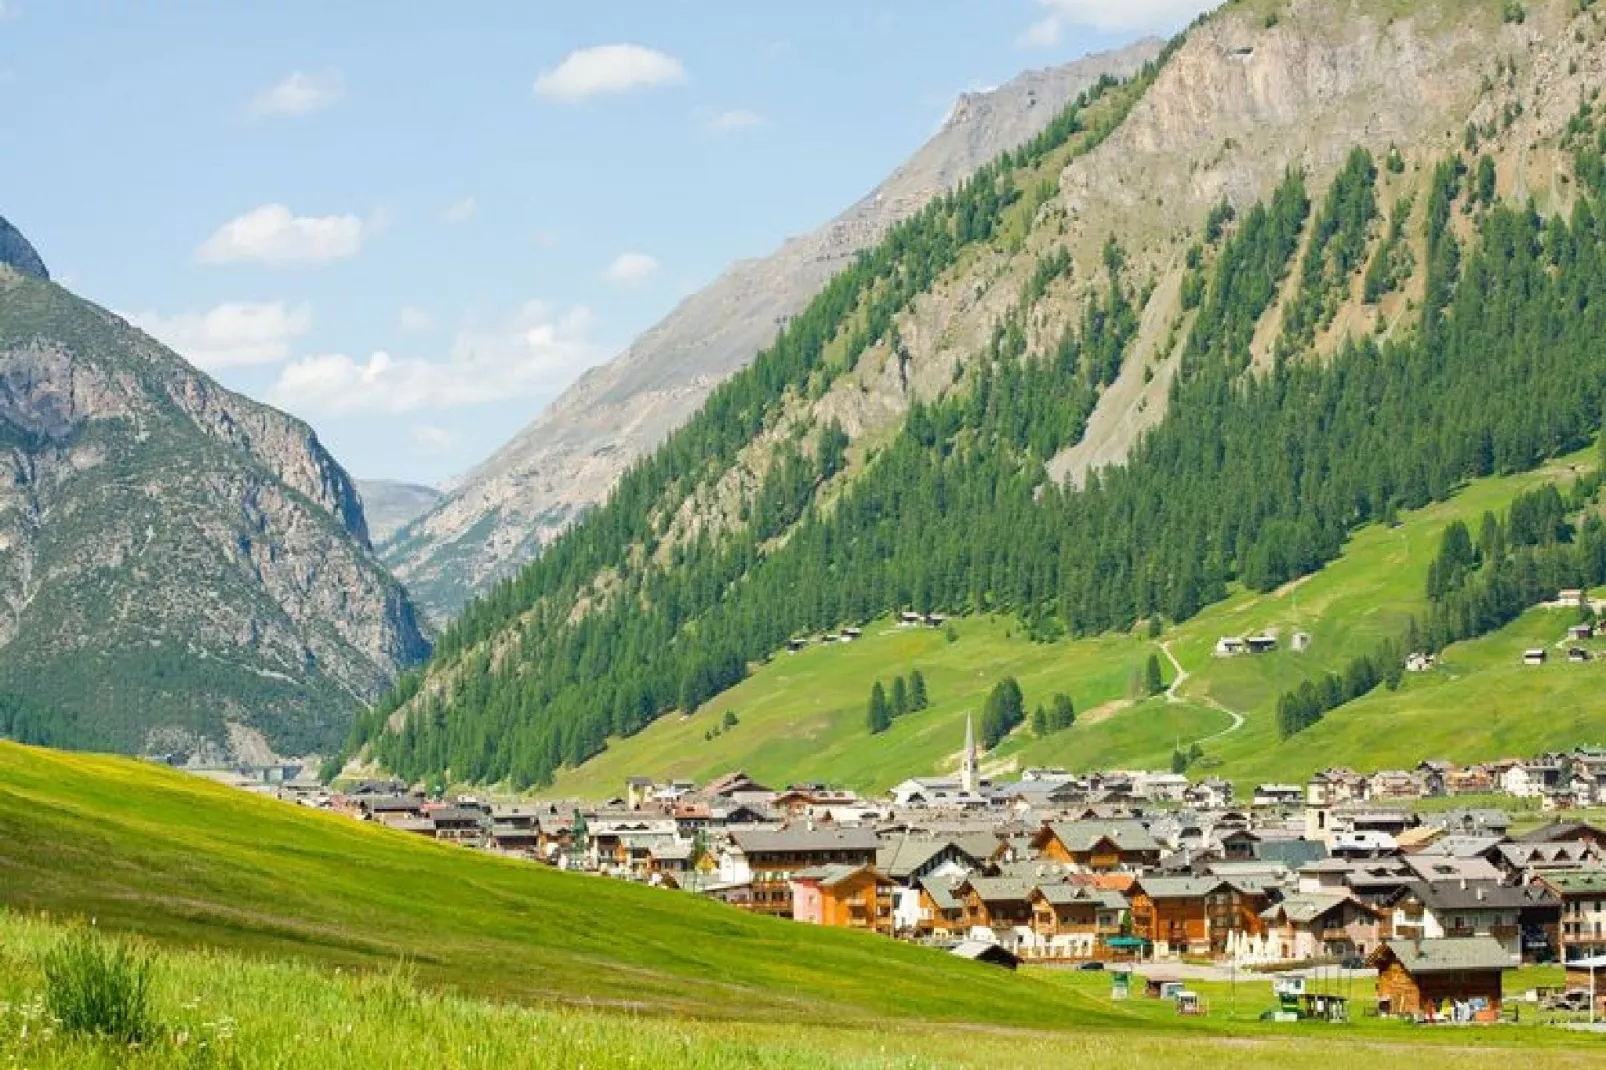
[390, 505]
[499, 515]
[17, 253]
[177, 562]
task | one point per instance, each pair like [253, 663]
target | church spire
[968, 781]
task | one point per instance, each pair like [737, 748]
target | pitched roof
[1449, 954]
[1306, 907]
[1085, 835]
[1177, 887]
[902, 857]
[1000, 889]
[767, 841]
[1474, 895]
[837, 872]
[942, 893]
[1578, 880]
[1559, 830]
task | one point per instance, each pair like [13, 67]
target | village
[1108, 870]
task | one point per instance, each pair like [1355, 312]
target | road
[1172, 695]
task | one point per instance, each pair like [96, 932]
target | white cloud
[431, 441]
[272, 234]
[734, 121]
[533, 352]
[414, 318]
[590, 72]
[631, 267]
[1125, 15]
[232, 335]
[299, 94]
[460, 211]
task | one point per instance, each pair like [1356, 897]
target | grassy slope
[802, 716]
[217, 1010]
[188, 862]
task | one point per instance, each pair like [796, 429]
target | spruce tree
[1152, 680]
[1064, 714]
[900, 697]
[878, 718]
[917, 691]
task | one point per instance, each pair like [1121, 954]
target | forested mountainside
[1316, 264]
[181, 569]
[498, 516]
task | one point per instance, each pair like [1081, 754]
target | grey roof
[942, 893]
[1000, 889]
[1475, 895]
[1292, 853]
[1306, 907]
[1177, 887]
[982, 950]
[1462, 846]
[1084, 835]
[1559, 830]
[1451, 954]
[805, 840]
[1061, 894]
[1560, 853]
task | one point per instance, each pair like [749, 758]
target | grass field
[220, 1010]
[188, 862]
[802, 715]
[284, 937]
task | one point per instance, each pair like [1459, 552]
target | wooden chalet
[1434, 980]
[843, 897]
[1098, 845]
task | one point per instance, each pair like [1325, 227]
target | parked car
[1092, 964]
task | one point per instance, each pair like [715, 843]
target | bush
[99, 987]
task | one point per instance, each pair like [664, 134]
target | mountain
[17, 254]
[1317, 268]
[498, 516]
[390, 505]
[181, 569]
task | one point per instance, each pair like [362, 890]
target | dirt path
[1172, 695]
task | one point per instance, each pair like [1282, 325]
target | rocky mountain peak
[18, 253]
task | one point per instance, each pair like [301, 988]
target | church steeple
[968, 765]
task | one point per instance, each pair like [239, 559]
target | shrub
[99, 987]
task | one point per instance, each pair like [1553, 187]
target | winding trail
[1171, 695]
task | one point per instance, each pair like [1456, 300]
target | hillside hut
[1456, 978]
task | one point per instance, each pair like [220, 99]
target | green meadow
[280, 937]
[802, 716]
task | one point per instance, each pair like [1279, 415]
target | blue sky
[413, 224]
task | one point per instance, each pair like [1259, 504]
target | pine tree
[1179, 762]
[900, 697]
[878, 717]
[917, 691]
[1064, 714]
[1040, 726]
[1153, 682]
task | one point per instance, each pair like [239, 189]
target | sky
[412, 224]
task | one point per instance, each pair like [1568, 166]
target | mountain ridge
[176, 561]
[498, 515]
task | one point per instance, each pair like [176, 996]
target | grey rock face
[390, 505]
[17, 253]
[175, 559]
[496, 518]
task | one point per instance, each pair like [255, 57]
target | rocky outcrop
[177, 562]
[17, 254]
[390, 505]
[498, 516]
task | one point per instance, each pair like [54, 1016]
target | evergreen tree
[1004, 711]
[1153, 681]
[900, 697]
[1064, 713]
[878, 717]
[1040, 725]
[917, 691]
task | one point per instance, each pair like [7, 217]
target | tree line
[1257, 478]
